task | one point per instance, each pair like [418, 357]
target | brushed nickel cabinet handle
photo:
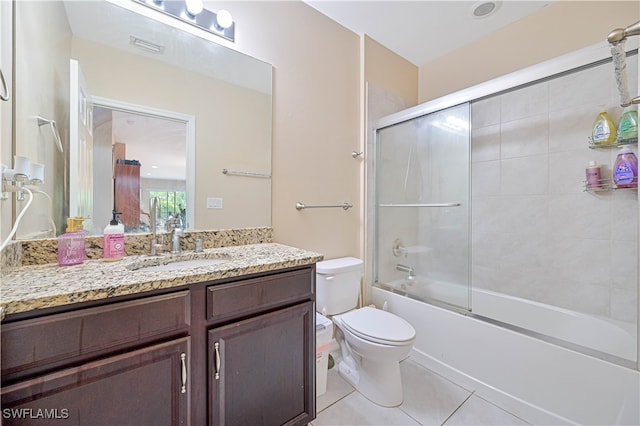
[216, 347]
[183, 361]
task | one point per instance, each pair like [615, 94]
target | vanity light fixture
[194, 13]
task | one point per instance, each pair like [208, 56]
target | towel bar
[302, 206]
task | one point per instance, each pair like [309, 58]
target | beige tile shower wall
[316, 120]
[535, 233]
[560, 28]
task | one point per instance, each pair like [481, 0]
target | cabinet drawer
[228, 301]
[37, 344]
[147, 386]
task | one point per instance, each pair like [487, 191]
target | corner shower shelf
[604, 185]
[618, 143]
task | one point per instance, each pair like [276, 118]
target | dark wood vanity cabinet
[261, 350]
[262, 369]
[233, 352]
[123, 363]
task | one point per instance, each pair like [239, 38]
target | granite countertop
[34, 287]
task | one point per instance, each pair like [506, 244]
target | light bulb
[224, 19]
[194, 6]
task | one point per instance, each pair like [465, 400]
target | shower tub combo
[484, 241]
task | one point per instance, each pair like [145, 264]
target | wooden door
[262, 370]
[127, 192]
[148, 386]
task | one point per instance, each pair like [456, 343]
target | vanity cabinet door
[262, 370]
[148, 386]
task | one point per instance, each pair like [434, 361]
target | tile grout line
[459, 406]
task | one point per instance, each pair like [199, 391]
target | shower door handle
[4, 89]
[421, 205]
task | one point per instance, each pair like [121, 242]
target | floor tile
[477, 411]
[337, 388]
[356, 410]
[428, 397]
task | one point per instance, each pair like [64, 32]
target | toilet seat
[378, 326]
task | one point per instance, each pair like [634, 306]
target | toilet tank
[338, 285]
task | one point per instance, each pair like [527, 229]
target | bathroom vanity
[230, 343]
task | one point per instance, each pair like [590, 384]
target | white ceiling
[421, 31]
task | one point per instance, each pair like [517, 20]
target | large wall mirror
[143, 109]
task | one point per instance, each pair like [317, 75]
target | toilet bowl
[373, 344]
[372, 341]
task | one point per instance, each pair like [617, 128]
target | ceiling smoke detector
[483, 9]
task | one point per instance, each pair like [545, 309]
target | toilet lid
[378, 326]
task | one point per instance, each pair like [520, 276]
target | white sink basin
[182, 264]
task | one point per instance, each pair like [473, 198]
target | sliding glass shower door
[422, 207]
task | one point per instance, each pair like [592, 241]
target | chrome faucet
[408, 269]
[153, 217]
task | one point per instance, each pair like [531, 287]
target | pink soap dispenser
[71, 244]
[113, 248]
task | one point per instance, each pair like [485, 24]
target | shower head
[620, 34]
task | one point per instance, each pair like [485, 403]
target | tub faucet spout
[408, 269]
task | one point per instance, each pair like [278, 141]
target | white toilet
[372, 341]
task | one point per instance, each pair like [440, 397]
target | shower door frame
[574, 61]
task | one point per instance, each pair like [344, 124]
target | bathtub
[541, 382]
[601, 337]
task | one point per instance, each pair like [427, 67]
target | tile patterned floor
[429, 399]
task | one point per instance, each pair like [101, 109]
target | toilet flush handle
[329, 277]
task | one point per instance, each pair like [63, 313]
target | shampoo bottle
[604, 131]
[593, 174]
[625, 169]
[71, 244]
[113, 240]
[628, 126]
